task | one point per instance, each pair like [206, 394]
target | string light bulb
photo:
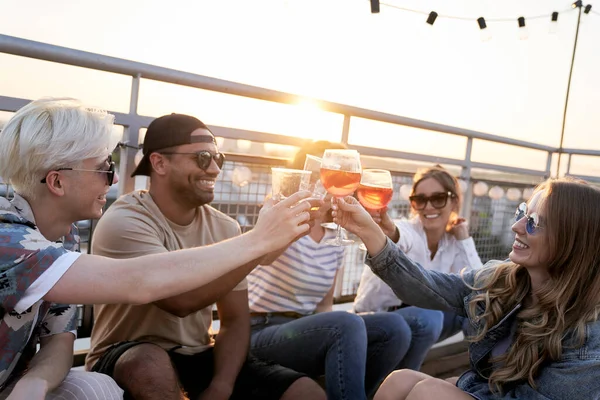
[587, 9]
[513, 194]
[484, 31]
[578, 3]
[496, 193]
[527, 193]
[523, 32]
[480, 189]
[554, 22]
[405, 191]
[432, 17]
[374, 6]
[241, 176]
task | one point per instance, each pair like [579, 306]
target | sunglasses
[437, 200]
[533, 219]
[204, 159]
[110, 172]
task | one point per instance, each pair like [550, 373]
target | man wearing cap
[165, 349]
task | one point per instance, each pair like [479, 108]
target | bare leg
[304, 388]
[146, 372]
[434, 388]
[399, 384]
[452, 380]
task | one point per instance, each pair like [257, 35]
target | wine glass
[375, 190]
[340, 175]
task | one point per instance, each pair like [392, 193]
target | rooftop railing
[490, 217]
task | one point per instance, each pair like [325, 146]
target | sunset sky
[334, 50]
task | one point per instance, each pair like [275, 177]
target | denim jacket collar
[480, 350]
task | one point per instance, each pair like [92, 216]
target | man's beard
[192, 195]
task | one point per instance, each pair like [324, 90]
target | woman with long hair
[436, 238]
[534, 319]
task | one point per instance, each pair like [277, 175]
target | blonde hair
[563, 304]
[51, 133]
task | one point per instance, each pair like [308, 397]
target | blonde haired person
[436, 238]
[536, 333]
[56, 154]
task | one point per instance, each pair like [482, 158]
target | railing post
[346, 129]
[131, 138]
[466, 176]
[549, 165]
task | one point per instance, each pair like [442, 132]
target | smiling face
[186, 179]
[530, 250]
[87, 189]
[433, 218]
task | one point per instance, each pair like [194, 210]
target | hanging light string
[573, 7]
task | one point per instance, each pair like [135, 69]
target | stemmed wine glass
[340, 175]
[375, 190]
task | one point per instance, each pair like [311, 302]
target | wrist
[221, 387]
[374, 240]
[258, 245]
[462, 235]
[394, 234]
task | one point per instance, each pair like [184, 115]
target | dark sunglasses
[110, 172]
[533, 219]
[437, 200]
[204, 158]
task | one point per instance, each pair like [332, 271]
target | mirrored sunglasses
[533, 220]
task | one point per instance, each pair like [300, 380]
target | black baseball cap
[168, 131]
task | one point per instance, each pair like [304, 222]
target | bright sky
[334, 50]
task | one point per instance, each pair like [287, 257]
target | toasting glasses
[340, 175]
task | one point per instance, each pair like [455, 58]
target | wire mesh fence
[243, 186]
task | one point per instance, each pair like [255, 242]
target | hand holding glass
[340, 175]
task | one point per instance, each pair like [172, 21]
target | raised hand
[384, 221]
[284, 221]
[459, 228]
[348, 213]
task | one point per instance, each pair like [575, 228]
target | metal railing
[490, 219]
[134, 122]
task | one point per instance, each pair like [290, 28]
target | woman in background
[436, 238]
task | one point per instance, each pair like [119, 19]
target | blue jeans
[427, 328]
[355, 353]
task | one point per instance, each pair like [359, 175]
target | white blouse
[452, 256]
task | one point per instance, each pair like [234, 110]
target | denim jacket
[576, 376]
